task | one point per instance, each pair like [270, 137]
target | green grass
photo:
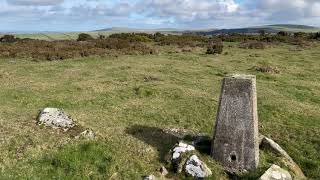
[110, 96]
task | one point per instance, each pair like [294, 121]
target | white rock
[87, 134]
[181, 148]
[182, 144]
[190, 148]
[276, 173]
[150, 177]
[56, 118]
[175, 155]
[164, 171]
[196, 168]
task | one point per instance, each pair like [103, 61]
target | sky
[86, 15]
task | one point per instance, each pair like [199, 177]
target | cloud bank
[94, 14]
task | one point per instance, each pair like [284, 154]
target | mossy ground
[116, 97]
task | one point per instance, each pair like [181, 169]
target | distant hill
[268, 29]
[124, 29]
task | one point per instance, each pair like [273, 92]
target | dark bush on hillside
[85, 37]
[314, 35]
[134, 37]
[252, 45]
[283, 33]
[102, 37]
[299, 34]
[183, 40]
[8, 39]
[215, 48]
[60, 50]
[157, 36]
[262, 32]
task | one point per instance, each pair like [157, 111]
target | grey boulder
[55, 118]
[196, 168]
[276, 173]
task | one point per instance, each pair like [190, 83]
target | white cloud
[34, 2]
[160, 13]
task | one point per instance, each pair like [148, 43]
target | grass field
[115, 98]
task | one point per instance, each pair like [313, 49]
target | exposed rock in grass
[87, 134]
[181, 148]
[163, 171]
[269, 143]
[179, 155]
[150, 177]
[276, 173]
[267, 69]
[55, 118]
[196, 168]
[151, 78]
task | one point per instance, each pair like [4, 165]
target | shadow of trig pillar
[236, 144]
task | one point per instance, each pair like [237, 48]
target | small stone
[178, 156]
[175, 155]
[163, 171]
[87, 134]
[150, 177]
[181, 148]
[276, 173]
[196, 168]
[55, 118]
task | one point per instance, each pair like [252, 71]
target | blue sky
[83, 15]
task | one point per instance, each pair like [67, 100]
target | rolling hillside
[250, 30]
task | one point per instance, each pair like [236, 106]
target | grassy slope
[110, 96]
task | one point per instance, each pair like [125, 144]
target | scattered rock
[181, 148]
[178, 156]
[151, 78]
[269, 143]
[196, 168]
[267, 69]
[163, 171]
[276, 173]
[87, 134]
[55, 118]
[150, 177]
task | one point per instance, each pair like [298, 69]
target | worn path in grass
[129, 100]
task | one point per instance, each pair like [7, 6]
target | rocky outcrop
[197, 169]
[55, 118]
[276, 173]
[269, 143]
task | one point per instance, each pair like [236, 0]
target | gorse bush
[283, 33]
[134, 37]
[85, 37]
[8, 38]
[60, 50]
[183, 40]
[215, 48]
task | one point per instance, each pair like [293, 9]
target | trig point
[235, 143]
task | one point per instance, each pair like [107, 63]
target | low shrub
[85, 37]
[134, 37]
[283, 33]
[186, 40]
[60, 50]
[215, 48]
[8, 38]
